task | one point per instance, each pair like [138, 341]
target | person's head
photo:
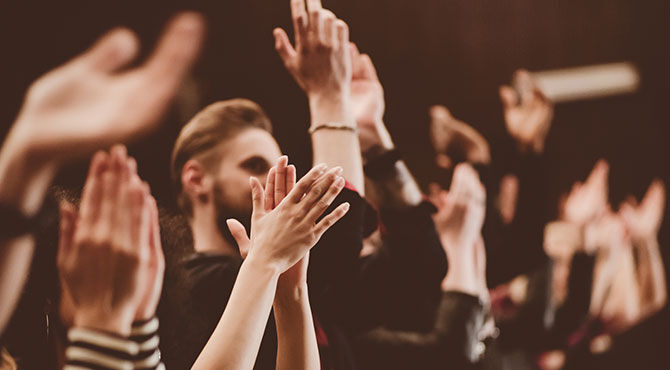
[216, 153]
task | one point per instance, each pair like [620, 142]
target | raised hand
[459, 221]
[589, 200]
[461, 210]
[643, 221]
[320, 61]
[282, 236]
[447, 131]
[528, 112]
[92, 101]
[107, 253]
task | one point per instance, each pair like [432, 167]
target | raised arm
[89, 103]
[321, 65]
[280, 238]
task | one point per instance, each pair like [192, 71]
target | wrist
[26, 176]
[262, 267]
[289, 294]
[118, 323]
[374, 137]
[332, 107]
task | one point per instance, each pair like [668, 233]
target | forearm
[336, 147]
[461, 276]
[23, 186]
[237, 337]
[296, 338]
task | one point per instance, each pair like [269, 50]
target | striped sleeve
[92, 349]
[144, 334]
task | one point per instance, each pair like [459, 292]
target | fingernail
[339, 182]
[346, 206]
[339, 170]
[321, 167]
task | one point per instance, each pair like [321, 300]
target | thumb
[283, 46]
[112, 51]
[238, 232]
[508, 96]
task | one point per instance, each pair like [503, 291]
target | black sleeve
[450, 344]
[574, 311]
[399, 285]
[334, 259]
[524, 236]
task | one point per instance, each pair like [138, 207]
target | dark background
[452, 52]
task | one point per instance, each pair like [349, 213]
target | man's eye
[256, 165]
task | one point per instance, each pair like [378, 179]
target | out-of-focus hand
[367, 98]
[461, 211]
[643, 221]
[282, 236]
[105, 250]
[93, 101]
[606, 233]
[320, 62]
[447, 131]
[589, 200]
[528, 112]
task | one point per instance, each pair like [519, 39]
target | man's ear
[195, 180]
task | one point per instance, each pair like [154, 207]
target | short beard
[224, 213]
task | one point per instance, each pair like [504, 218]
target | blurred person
[453, 340]
[225, 144]
[515, 214]
[86, 104]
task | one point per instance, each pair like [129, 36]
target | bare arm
[77, 108]
[321, 65]
[280, 239]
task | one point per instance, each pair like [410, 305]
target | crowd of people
[351, 266]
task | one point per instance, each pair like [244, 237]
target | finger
[132, 166]
[239, 233]
[112, 51]
[599, 174]
[257, 197]
[440, 113]
[655, 195]
[315, 26]
[68, 217]
[134, 216]
[342, 33]
[325, 201]
[176, 51]
[270, 190]
[306, 182]
[280, 180]
[119, 160]
[283, 46]
[355, 61]
[290, 178]
[525, 85]
[508, 96]
[329, 220]
[329, 34]
[314, 6]
[319, 188]
[299, 17]
[368, 70]
[93, 190]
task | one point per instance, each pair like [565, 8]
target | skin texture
[528, 112]
[109, 256]
[320, 63]
[89, 103]
[459, 221]
[280, 238]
